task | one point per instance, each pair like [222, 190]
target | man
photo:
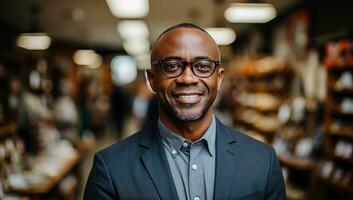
[188, 153]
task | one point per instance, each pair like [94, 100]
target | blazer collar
[156, 163]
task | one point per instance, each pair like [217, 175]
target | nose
[187, 77]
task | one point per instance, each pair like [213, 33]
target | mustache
[189, 88]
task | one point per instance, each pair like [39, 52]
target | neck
[190, 130]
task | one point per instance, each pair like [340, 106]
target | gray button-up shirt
[192, 163]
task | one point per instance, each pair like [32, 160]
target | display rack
[262, 85]
[336, 174]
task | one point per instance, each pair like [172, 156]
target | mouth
[188, 98]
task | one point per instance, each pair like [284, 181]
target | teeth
[188, 96]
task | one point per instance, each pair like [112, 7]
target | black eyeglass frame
[186, 63]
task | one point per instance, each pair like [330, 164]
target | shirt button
[185, 144]
[194, 167]
[174, 152]
[197, 198]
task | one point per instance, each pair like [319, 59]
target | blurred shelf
[269, 132]
[295, 193]
[341, 92]
[342, 159]
[8, 130]
[341, 133]
[297, 163]
[265, 89]
[271, 73]
[15, 197]
[259, 109]
[337, 187]
[339, 69]
[51, 181]
[337, 112]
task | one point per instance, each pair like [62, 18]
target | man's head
[185, 90]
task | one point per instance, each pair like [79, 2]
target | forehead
[186, 43]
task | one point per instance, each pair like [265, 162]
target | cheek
[163, 87]
[212, 86]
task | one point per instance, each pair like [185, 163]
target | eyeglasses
[172, 68]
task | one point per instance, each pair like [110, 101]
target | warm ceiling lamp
[132, 29]
[222, 36]
[136, 46]
[250, 13]
[33, 41]
[88, 58]
[129, 8]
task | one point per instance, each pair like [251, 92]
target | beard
[187, 112]
[188, 116]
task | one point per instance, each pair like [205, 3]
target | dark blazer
[137, 168]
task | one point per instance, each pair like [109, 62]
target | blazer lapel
[226, 162]
[156, 163]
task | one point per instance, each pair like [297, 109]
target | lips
[187, 97]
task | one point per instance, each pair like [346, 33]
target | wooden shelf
[298, 163]
[265, 89]
[342, 114]
[341, 92]
[251, 126]
[8, 130]
[259, 109]
[51, 181]
[280, 72]
[343, 134]
[339, 69]
[337, 187]
[342, 159]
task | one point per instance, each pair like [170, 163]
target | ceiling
[90, 22]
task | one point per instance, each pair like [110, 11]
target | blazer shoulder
[249, 143]
[121, 148]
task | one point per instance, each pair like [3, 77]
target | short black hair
[182, 25]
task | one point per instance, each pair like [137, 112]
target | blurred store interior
[72, 82]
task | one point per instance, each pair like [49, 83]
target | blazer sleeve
[99, 184]
[275, 189]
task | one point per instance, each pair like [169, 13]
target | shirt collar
[175, 142]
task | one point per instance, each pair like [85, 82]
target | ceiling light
[34, 41]
[222, 36]
[88, 58]
[128, 8]
[131, 29]
[136, 46]
[250, 13]
[123, 70]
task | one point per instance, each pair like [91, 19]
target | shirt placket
[195, 173]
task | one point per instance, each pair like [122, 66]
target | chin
[189, 117]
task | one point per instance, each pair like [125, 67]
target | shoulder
[121, 150]
[247, 144]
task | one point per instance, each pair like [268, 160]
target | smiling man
[188, 153]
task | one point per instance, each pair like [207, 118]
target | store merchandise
[44, 168]
[337, 170]
[338, 53]
[258, 95]
[345, 82]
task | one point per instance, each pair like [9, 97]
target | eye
[171, 66]
[203, 66]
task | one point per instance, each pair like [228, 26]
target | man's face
[186, 97]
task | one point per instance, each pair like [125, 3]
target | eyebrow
[179, 58]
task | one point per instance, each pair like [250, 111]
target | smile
[187, 98]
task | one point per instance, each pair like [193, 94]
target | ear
[220, 77]
[150, 80]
